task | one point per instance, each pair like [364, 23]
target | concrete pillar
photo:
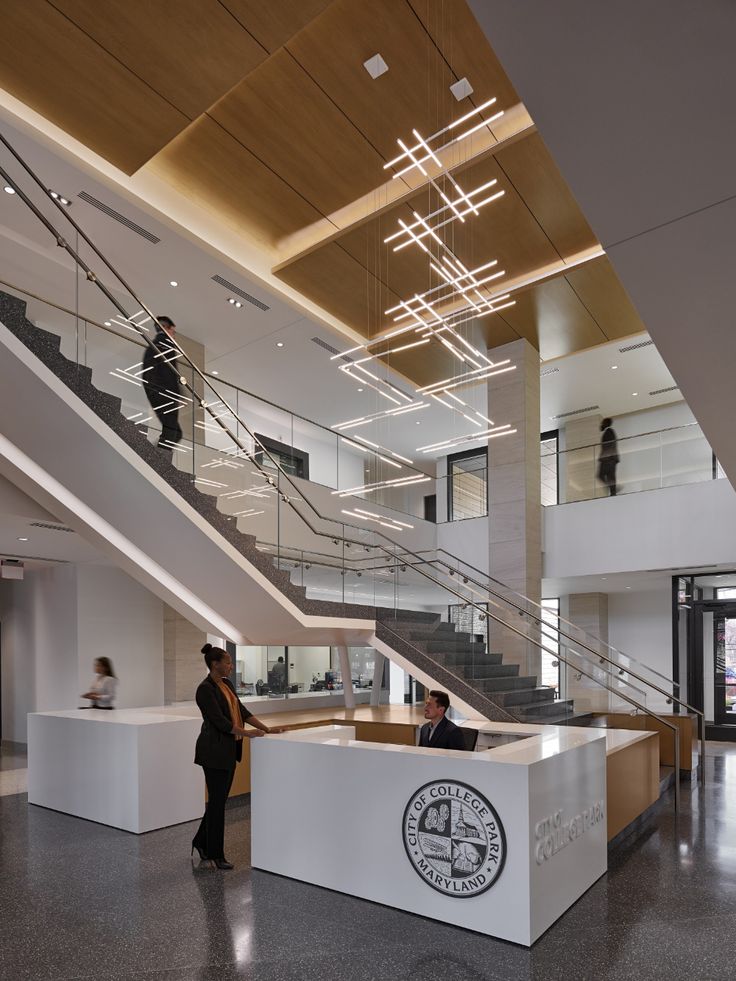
[184, 665]
[347, 676]
[378, 667]
[579, 482]
[589, 612]
[514, 492]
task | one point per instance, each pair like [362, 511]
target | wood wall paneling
[56, 69]
[414, 92]
[189, 51]
[273, 22]
[208, 165]
[286, 120]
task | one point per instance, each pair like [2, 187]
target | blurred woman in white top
[101, 692]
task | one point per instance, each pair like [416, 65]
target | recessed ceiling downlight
[8, 189]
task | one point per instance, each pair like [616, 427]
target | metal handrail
[301, 497]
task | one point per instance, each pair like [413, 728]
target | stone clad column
[514, 492]
[589, 611]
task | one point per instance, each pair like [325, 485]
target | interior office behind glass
[280, 672]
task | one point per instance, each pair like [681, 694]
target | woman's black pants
[211, 834]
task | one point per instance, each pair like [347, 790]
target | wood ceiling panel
[465, 47]
[286, 120]
[414, 92]
[273, 22]
[534, 174]
[56, 69]
[553, 320]
[340, 284]
[600, 289]
[209, 165]
[189, 51]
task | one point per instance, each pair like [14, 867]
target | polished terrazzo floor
[82, 901]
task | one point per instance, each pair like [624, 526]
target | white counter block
[331, 811]
[127, 768]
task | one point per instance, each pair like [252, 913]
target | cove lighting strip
[380, 484]
[449, 444]
[377, 518]
[422, 152]
[424, 227]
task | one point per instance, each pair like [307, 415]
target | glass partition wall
[268, 672]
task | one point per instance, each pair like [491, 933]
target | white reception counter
[501, 841]
[131, 768]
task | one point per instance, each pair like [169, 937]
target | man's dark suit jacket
[446, 736]
[216, 746]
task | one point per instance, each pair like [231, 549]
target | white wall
[57, 621]
[120, 619]
[675, 527]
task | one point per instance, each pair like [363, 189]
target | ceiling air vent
[634, 347]
[330, 348]
[548, 371]
[45, 524]
[241, 293]
[576, 412]
[661, 391]
[112, 213]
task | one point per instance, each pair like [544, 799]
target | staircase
[463, 659]
[457, 661]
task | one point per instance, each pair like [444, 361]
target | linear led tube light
[423, 144]
[448, 381]
[504, 430]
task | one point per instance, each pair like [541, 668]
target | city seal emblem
[454, 838]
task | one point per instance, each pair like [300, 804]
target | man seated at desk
[439, 732]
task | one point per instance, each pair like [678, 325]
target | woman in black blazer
[219, 749]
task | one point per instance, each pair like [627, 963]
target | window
[291, 460]
[467, 485]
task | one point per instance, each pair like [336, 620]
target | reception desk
[130, 769]
[501, 841]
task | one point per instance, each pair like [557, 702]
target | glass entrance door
[715, 660]
[724, 666]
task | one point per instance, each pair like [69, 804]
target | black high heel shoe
[202, 856]
[222, 863]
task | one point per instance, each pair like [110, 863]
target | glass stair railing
[324, 564]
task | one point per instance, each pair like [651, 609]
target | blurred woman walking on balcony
[608, 457]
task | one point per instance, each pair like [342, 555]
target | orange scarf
[233, 705]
